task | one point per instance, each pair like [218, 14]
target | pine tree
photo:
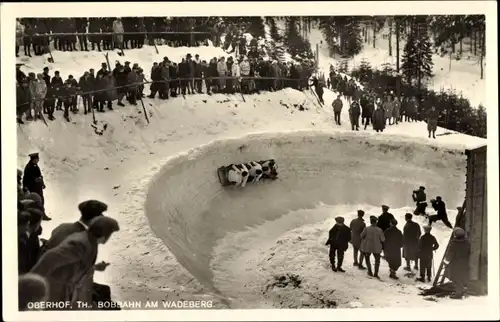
[256, 27]
[342, 34]
[294, 42]
[417, 55]
[274, 29]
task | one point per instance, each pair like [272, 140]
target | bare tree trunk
[471, 46]
[453, 47]
[483, 50]
[461, 45]
[390, 38]
[397, 46]
[366, 34]
[374, 34]
[475, 42]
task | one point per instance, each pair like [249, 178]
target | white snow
[118, 167]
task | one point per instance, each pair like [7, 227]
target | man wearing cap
[357, 226]
[89, 210]
[419, 197]
[338, 239]
[426, 247]
[372, 240]
[458, 262]
[68, 265]
[384, 220]
[439, 205]
[411, 236]
[56, 83]
[33, 179]
[392, 247]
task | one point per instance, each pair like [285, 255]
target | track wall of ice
[189, 209]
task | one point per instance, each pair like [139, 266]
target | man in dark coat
[32, 178]
[56, 83]
[378, 119]
[338, 239]
[384, 220]
[458, 262]
[22, 100]
[86, 85]
[354, 113]
[357, 225]
[411, 236]
[426, 247]
[439, 205]
[419, 197]
[366, 109]
[34, 232]
[432, 120]
[392, 247]
[337, 109]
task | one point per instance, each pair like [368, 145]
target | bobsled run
[254, 171]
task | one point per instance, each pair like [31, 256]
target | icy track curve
[189, 210]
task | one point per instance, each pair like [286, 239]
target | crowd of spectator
[380, 110]
[30, 33]
[59, 269]
[44, 94]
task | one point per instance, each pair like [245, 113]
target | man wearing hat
[338, 239]
[103, 71]
[419, 197]
[439, 205]
[372, 240]
[411, 236]
[458, 262]
[384, 220]
[33, 179]
[392, 247]
[37, 203]
[357, 226]
[426, 247]
[89, 210]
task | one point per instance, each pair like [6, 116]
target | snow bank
[190, 211]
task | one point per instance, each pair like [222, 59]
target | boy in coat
[392, 247]
[357, 226]
[426, 247]
[338, 239]
[372, 240]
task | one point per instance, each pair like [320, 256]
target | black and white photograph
[259, 160]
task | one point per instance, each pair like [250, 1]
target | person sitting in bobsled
[237, 174]
[269, 170]
[255, 171]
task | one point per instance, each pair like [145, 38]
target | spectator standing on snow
[354, 113]
[38, 91]
[337, 109]
[396, 110]
[372, 239]
[357, 226]
[22, 100]
[222, 72]
[439, 205]
[411, 236]
[420, 199]
[378, 119]
[412, 109]
[458, 262]
[384, 220]
[338, 240]
[392, 247]
[19, 35]
[85, 86]
[426, 247]
[32, 178]
[388, 107]
[432, 120]
[118, 33]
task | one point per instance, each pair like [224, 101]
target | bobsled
[269, 168]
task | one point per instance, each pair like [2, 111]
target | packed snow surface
[185, 237]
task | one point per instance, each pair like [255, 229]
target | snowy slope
[118, 166]
[463, 77]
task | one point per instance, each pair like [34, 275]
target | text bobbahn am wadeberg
[150, 304]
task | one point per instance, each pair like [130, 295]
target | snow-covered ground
[463, 76]
[223, 244]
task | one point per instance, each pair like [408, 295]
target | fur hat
[92, 208]
[339, 219]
